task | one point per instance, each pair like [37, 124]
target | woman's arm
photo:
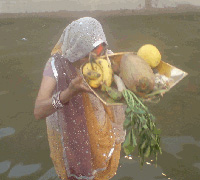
[43, 103]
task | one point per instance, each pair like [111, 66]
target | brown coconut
[136, 74]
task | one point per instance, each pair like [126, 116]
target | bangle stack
[56, 101]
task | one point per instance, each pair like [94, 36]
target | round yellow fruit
[150, 54]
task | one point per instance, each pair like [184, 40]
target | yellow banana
[95, 79]
[107, 72]
[91, 74]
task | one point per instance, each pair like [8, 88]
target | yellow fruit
[150, 54]
[107, 72]
[91, 74]
[95, 83]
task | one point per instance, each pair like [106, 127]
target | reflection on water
[173, 145]
[4, 166]
[21, 170]
[50, 174]
[6, 132]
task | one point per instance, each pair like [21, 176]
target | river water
[25, 45]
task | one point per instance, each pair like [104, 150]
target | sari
[81, 137]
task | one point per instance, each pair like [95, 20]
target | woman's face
[98, 51]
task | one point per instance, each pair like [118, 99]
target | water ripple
[6, 132]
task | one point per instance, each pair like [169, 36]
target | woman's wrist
[57, 104]
[66, 95]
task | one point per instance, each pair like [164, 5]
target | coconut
[136, 74]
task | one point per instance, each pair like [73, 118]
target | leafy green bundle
[141, 129]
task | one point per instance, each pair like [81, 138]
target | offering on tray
[129, 79]
[135, 74]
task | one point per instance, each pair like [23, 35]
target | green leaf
[139, 129]
[127, 141]
[131, 116]
[152, 117]
[127, 123]
[128, 115]
[153, 137]
[143, 145]
[134, 138]
[129, 149]
[159, 91]
[128, 110]
[147, 152]
[145, 126]
[139, 111]
[160, 150]
[156, 131]
[153, 142]
[151, 125]
[127, 145]
[143, 120]
[132, 104]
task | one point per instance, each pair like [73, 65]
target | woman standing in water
[84, 135]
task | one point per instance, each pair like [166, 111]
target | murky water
[25, 45]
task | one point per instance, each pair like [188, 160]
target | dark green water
[24, 151]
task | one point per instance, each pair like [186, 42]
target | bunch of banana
[98, 72]
[93, 74]
[107, 72]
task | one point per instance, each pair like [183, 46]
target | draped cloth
[79, 38]
[81, 138]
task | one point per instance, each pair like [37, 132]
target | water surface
[25, 45]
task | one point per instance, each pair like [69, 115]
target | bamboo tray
[175, 74]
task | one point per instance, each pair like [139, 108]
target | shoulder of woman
[48, 69]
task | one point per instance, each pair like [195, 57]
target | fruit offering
[136, 74]
[150, 54]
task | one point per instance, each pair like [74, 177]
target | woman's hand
[43, 104]
[77, 85]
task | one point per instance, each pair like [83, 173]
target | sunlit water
[25, 45]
